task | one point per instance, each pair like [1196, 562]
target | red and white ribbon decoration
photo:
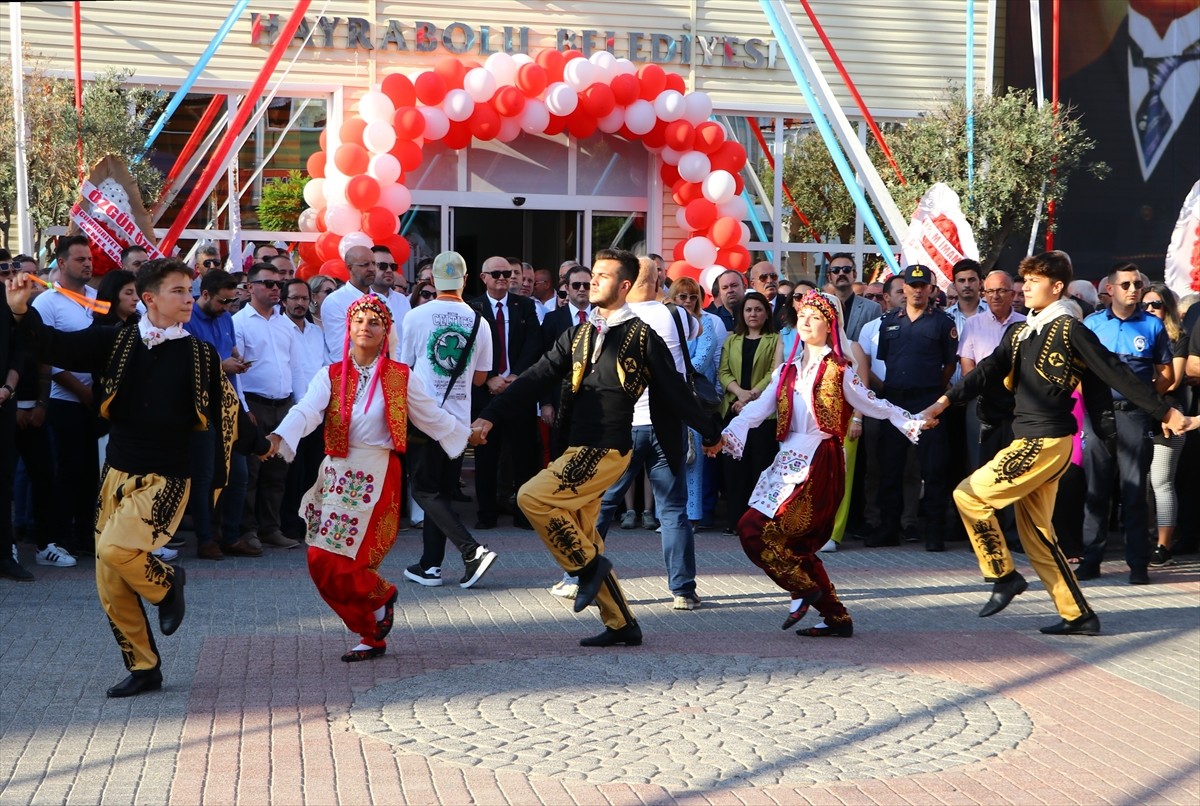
[96, 233]
[121, 220]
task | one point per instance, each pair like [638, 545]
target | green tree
[116, 117]
[1017, 147]
[282, 202]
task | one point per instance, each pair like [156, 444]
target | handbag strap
[462, 363]
[683, 348]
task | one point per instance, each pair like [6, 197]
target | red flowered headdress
[368, 303]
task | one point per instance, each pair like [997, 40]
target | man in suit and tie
[856, 310]
[575, 312]
[516, 344]
[765, 280]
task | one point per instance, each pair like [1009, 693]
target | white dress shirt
[660, 318]
[503, 303]
[268, 344]
[308, 354]
[868, 340]
[333, 320]
[63, 314]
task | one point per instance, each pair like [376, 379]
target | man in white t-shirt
[434, 344]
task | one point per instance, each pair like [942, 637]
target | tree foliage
[115, 120]
[1017, 146]
[282, 202]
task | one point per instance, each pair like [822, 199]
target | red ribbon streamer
[192, 143]
[758, 135]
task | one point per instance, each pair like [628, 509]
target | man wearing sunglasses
[1142, 344]
[516, 345]
[856, 310]
[385, 286]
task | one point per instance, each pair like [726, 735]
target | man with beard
[856, 310]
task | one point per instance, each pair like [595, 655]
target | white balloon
[670, 156]
[379, 137]
[342, 219]
[436, 122]
[502, 66]
[669, 106]
[396, 199]
[510, 129]
[735, 207]
[353, 239]
[639, 116]
[479, 84]
[579, 74]
[624, 67]
[384, 168]
[612, 122]
[603, 63]
[307, 220]
[335, 188]
[314, 193]
[458, 105]
[745, 239]
[374, 105]
[694, 167]
[699, 251]
[697, 107]
[681, 219]
[534, 117]
[709, 276]
[719, 187]
[561, 99]
[521, 59]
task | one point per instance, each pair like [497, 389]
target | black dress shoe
[828, 631]
[1084, 625]
[170, 609]
[137, 682]
[794, 617]
[12, 569]
[629, 635]
[485, 523]
[1085, 572]
[384, 625]
[1139, 576]
[591, 577]
[1003, 592]
[935, 545]
[356, 655]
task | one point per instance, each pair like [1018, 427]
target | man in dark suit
[12, 360]
[558, 321]
[1140, 102]
[765, 280]
[516, 345]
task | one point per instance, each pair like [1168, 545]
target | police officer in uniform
[920, 347]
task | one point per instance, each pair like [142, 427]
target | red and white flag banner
[1183, 254]
[123, 222]
[96, 233]
[940, 235]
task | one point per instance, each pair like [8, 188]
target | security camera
[519, 201]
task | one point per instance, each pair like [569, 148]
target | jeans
[670, 502]
[200, 504]
[1135, 431]
[233, 497]
[434, 480]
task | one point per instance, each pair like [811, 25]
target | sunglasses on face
[841, 269]
[1156, 304]
[385, 266]
[687, 297]
[8, 268]
[562, 293]
[212, 263]
[875, 297]
[502, 274]
[268, 283]
[428, 294]
[1136, 284]
[224, 300]
[580, 286]
[765, 277]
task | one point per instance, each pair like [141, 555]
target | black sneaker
[1161, 556]
[477, 566]
[429, 577]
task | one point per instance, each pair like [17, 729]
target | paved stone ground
[485, 697]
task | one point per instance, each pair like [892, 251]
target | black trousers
[933, 452]
[740, 475]
[1130, 465]
[434, 482]
[33, 445]
[8, 463]
[519, 432]
[301, 475]
[76, 474]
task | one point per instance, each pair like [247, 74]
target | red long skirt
[785, 547]
[353, 588]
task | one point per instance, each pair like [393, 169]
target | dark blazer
[524, 338]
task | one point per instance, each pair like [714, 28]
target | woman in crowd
[705, 352]
[747, 360]
[422, 292]
[353, 511]
[791, 512]
[319, 287]
[118, 289]
[1159, 301]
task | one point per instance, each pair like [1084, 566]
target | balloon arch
[357, 192]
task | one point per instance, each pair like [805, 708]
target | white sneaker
[828, 547]
[565, 588]
[165, 554]
[52, 555]
[15, 558]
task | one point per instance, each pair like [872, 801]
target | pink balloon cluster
[357, 193]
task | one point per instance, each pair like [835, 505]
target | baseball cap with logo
[449, 271]
[917, 273]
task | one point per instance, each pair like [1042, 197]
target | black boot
[629, 635]
[1003, 592]
[137, 682]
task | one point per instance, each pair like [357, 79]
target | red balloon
[736, 258]
[681, 268]
[380, 223]
[306, 270]
[459, 135]
[327, 246]
[408, 153]
[399, 89]
[653, 81]
[532, 79]
[677, 252]
[308, 254]
[656, 137]
[731, 156]
[337, 269]
[552, 62]
[408, 123]
[484, 123]
[316, 164]
[509, 101]
[452, 71]
[556, 125]
[598, 100]
[679, 135]
[431, 88]
[399, 247]
[739, 184]
[700, 214]
[352, 130]
[625, 89]
[351, 159]
[321, 225]
[471, 64]
[321, 139]
[726, 231]
[676, 82]
[688, 192]
[363, 192]
[709, 137]
[669, 174]
[581, 124]
[571, 54]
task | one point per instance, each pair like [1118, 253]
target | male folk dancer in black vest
[603, 366]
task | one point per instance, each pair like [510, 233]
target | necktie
[1153, 119]
[501, 342]
[583, 317]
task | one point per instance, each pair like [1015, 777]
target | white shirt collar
[494, 302]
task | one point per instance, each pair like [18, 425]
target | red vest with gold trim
[393, 378]
[829, 406]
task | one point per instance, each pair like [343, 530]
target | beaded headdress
[367, 303]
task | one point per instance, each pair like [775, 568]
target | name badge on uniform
[892, 327]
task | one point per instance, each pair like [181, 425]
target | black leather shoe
[485, 523]
[170, 609]
[12, 569]
[384, 625]
[1084, 625]
[136, 683]
[629, 635]
[794, 617]
[836, 631]
[591, 577]
[1085, 572]
[1003, 592]
[1139, 576]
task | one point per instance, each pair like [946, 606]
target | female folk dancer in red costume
[353, 511]
[792, 508]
